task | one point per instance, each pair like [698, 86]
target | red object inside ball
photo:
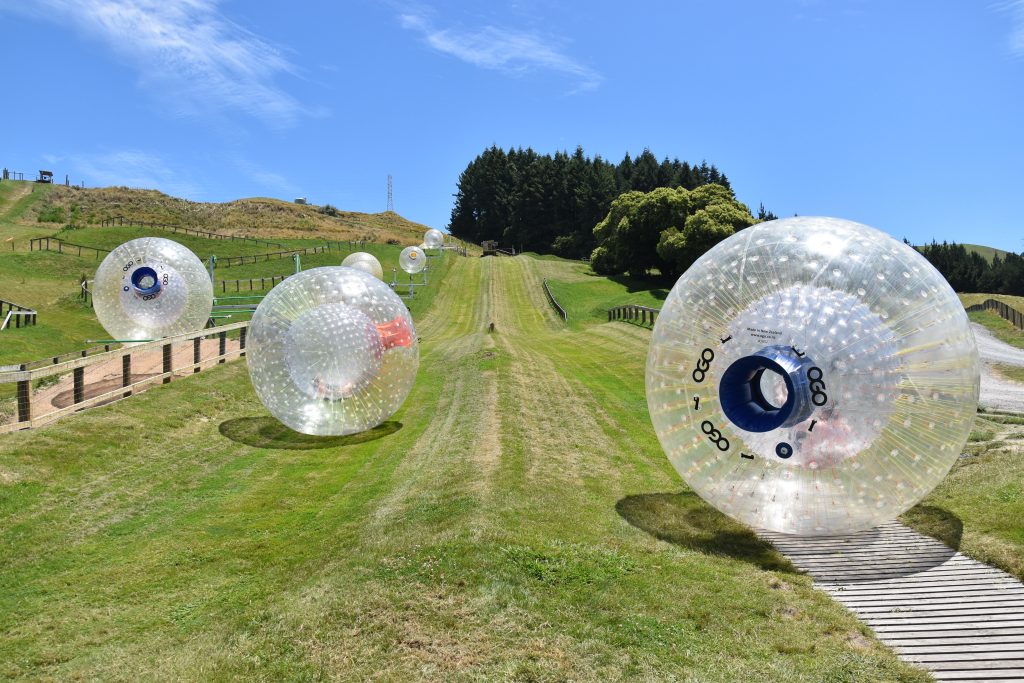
[395, 333]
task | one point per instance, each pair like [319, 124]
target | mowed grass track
[516, 520]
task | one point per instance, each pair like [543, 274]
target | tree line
[552, 203]
[969, 271]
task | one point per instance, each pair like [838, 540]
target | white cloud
[132, 168]
[280, 186]
[1014, 8]
[186, 51]
[502, 49]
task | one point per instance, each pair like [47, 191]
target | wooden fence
[255, 284]
[557, 306]
[633, 313]
[1006, 311]
[17, 313]
[121, 220]
[116, 373]
[62, 247]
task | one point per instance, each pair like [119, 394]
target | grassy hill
[255, 217]
[988, 253]
[515, 520]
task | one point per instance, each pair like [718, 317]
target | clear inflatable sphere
[812, 376]
[412, 260]
[150, 288]
[332, 351]
[433, 239]
[367, 263]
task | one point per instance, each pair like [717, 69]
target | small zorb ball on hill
[150, 288]
[812, 376]
[433, 239]
[332, 351]
[367, 263]
[412, 260]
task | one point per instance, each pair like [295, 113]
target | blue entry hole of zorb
[812, 376]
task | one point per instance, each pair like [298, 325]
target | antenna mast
[391, 203]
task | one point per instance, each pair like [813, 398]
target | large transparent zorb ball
[412, 260]
[365, 262]
[332, 351]
[812, 376]
[433, 239]
[150, 288]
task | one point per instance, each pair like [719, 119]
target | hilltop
[254, 216]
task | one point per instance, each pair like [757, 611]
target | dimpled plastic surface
[367, 263]
[898, 387]
[182, 303]
[412, 260]
[332, 351]
[433, 239]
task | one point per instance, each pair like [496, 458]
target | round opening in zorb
[367, 263]
[150, 288]
[332, 351]
[412, 260]
[812, 376]
[433, 239]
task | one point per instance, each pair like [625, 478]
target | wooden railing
[1015, 317]
[62, 247]
[557, 306]
[121, 220]
[633, 313]
[17, 313]
[159, 355]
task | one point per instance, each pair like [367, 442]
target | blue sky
[908, 116]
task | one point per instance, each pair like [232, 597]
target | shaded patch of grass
[1000, 328]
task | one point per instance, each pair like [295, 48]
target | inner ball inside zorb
[332, 351]
[812, 376]
[412, 260]
[150, 288]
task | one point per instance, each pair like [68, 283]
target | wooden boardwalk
[960, 619]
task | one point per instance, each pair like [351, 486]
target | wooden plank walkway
[960, 619]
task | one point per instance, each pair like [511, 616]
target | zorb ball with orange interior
[365, 262]
[332, 351]
[812, 376]
[149, 288]
[412, 260]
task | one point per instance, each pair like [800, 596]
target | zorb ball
[332, 351]
[433, 239]
[812, 376]
[412, 260]
[367, 263]
[150, 288]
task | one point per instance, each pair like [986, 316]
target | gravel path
[997, 391]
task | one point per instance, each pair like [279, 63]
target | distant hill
[986, 252]
[256, 216]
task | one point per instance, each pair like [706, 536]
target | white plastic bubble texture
[150, 288]
[367, 263]
[332, 351]
[412, 260]
[433, 239]
[885, 340]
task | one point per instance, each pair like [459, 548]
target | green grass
[978, 298]
[586, 297]
[110, 237]
[515, 520]
[988, 253]
[16, 197]
[999, 327]
[1011, 372]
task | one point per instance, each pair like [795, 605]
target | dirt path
[996, 390]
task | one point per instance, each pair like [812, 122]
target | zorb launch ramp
[812, 376]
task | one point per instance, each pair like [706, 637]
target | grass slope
[516, 520]
[257, 216]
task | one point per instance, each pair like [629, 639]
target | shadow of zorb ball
[812, 376]
[412, 260]
[150, 288]
[433, 239]
[332, 351]
[367, 263]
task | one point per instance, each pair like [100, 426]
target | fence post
[196, 353]
[167, 362]
[241, 341]
[223, 345]
[126, 373]
[79, 384]
[24, 398]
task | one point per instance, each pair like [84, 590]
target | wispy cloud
[186, 51]
[278, 184]
[132, 168]
[501, 49]
[1015, 8]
